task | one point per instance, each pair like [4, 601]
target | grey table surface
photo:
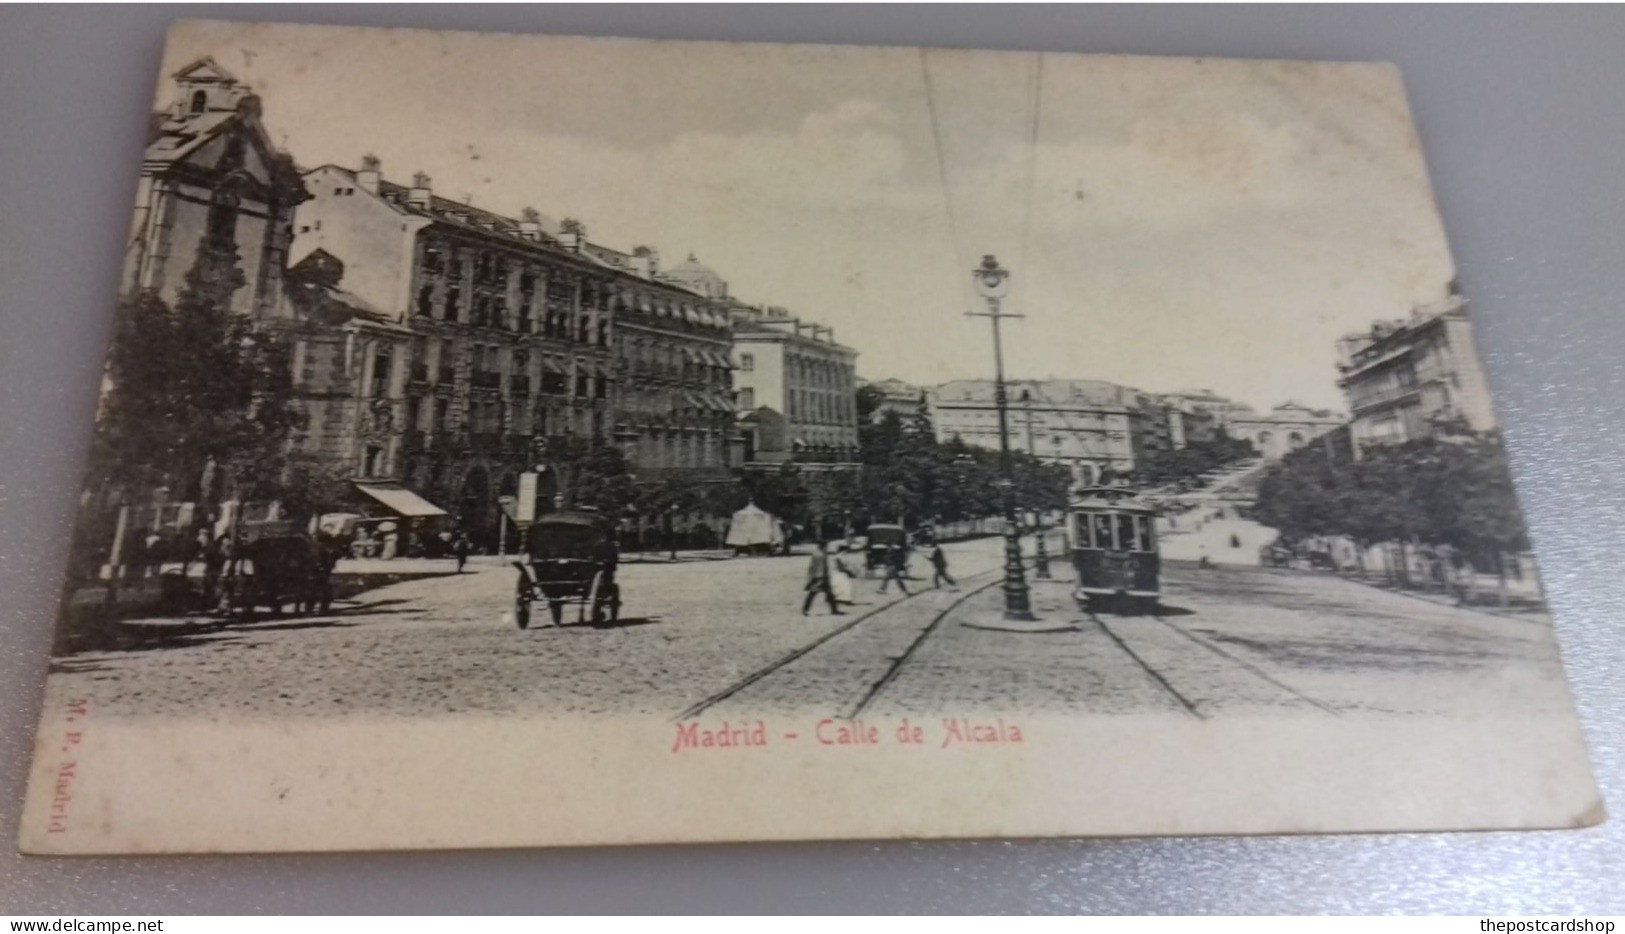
[1520, 111]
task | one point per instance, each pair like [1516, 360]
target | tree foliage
[1194, 459]
[199, 399]
[1451, 490]
[910, 476]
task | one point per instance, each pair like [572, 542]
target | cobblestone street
[726, 638]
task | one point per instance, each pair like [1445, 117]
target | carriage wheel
[521, 611]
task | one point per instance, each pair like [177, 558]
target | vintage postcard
[525, 440]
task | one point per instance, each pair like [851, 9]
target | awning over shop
[400, 500]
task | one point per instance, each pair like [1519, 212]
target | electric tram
[1114, 550]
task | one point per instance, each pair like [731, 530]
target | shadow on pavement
[625, 622]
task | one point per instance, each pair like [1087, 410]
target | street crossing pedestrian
[818, 582]
[939, 566]
[461, 547]
[896, 568]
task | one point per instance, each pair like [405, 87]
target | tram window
[1142, 533]
[1100, 531]
[1125, 533]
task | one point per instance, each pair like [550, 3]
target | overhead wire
[1032, 160]
[955, 242]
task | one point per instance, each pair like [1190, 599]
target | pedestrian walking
[939, 568]
[461, 547]
[214, 562]
[818, 582]
[840, 577]
[896, 568]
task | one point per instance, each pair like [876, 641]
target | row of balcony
[472, 442]
[552, 384]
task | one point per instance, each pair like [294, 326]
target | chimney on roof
[530, 224]
[573, 234]
[645, 262]
[367, 178]
[420, 194]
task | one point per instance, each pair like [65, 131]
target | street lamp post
[992, 283]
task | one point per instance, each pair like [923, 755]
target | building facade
[508, 338]
[1403, 379]
[1281, 430]
[795, 388]
[894, 396]
[210, 176]
[1089, 426]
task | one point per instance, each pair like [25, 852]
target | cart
[877, 553]
[570, 559]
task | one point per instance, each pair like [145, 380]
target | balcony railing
[1381, 395]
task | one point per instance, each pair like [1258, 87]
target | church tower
[204, 87]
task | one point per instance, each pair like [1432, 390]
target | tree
[200, 400]
[1453, 490]
[869, 399]
[593, 475]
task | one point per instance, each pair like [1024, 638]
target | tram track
[898, 662]
[1185, 703]
[874, 689]
[1193, 705]
[1251, 668]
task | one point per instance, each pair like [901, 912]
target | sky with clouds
[1169, 223]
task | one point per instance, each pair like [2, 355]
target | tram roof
[584, 519]
[1120, 498]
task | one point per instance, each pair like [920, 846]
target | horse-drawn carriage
[570, 559]
[279, 570]
[882, 539]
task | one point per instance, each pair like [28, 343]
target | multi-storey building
[1087, 425]
[1404, 379]
[794, 387]
[674, 411]
[505, 332]
[211, 176]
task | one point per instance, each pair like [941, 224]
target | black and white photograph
[521, 440]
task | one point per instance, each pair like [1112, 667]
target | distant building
[795, 389]
[211, 175]
[1281, 430]
[1405, 378]
[1088, 426]
[1199, 414]
[894, 395]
